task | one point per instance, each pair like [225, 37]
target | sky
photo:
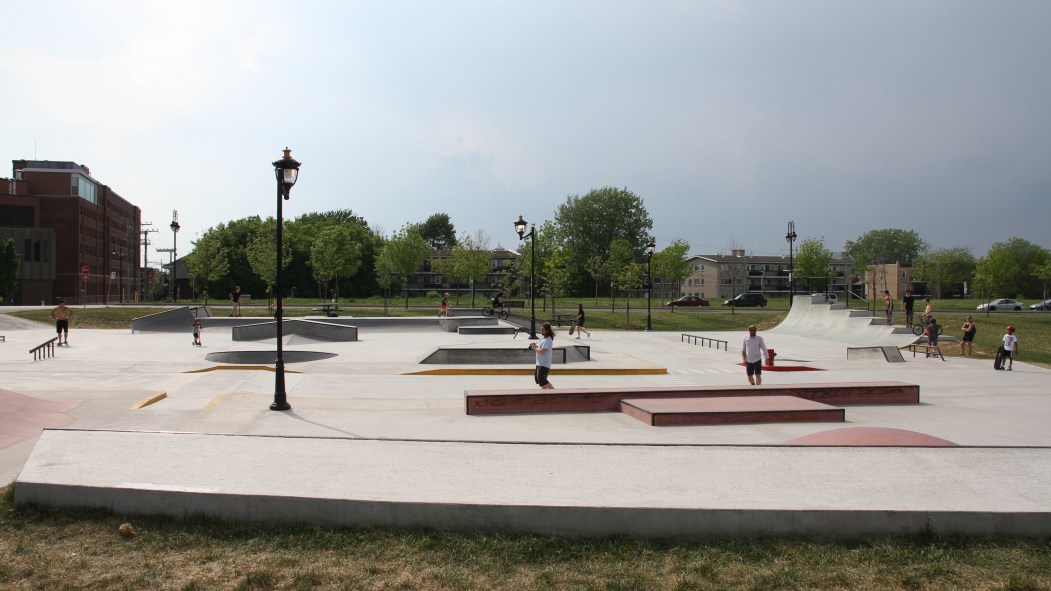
[727, 118]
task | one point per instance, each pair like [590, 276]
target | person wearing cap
[753, 351]
[967, 341]
[1010, 347]
[444, 310]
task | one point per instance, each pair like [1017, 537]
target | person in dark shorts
[543, 356]
[908, 302]
[235, 301]
[1010, 347]
[578, 322]
[753, 351]
[62, 315]
[969, 331]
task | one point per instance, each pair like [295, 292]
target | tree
[735, 267]
[589, 224]
[438, 230]
[1007, 268]
[384, 275]
[8, 268]
[209, 261]
[886, 246]
[812, 260]
[334, 255]
[943, 267]
[1043, 273]
[405, 251]
[471, 258]
[262, 254]
[597, 270]
[624, 269]
[671, 263]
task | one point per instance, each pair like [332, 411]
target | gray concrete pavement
[397, 448]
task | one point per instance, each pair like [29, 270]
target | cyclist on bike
[498, 300]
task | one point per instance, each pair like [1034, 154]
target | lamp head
[650, 247]
[520, 226]
[287, 171]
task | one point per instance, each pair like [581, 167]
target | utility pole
[145, 242]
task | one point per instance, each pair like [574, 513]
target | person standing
[444, 309]
[969, 330]
[543, 356]
[235, 301]
[889, 305]
[62, 315]
[907, 302]
[753, 351]
[578, 321]
[197, 332]
[933, 328]
[1010, 347]
[928, 311]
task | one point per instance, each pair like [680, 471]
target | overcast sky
[728, 118]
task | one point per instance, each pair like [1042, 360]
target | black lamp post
[175, 254]
[120, 265]
[520, 226]
[791, 237]
[287, 171]
[650, 246]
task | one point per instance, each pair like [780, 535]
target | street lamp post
[175, 254]
[287, 171]
[120, 265]
[520, 226]
[791, 237]
[650, 246]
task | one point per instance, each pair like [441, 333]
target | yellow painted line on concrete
[149, 400]
[529, 372]
[238, 367]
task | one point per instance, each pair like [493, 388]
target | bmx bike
[918, 327]
[500, 312]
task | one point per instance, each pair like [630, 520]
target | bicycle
[918, 327]
[500, 312]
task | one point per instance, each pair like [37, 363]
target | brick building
[64, 222]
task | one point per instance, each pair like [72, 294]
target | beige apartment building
[721, 276]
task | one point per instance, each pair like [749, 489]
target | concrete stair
[733, 410]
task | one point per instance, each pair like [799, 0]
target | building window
[27, 249]
[82, 187]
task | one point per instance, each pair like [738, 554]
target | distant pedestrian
[235, 301]
[1010, 347]
[928, 311]
[444, 310]
[907, 303]
[197, 332]
[969, 330]
[578, 322]
[753, 351]
[888, 303]
[62, 315]
[543, 356]
[933, 328]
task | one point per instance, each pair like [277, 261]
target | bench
[514, 303]
[928, 350]
[482, 402]
[331, 310]
[560, 318]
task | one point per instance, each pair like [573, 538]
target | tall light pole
[175, 254]
[120, 265]
[791, 237]
[287, 172]
[650, 246]
[520, 226]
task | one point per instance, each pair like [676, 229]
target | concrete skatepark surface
[147, 424]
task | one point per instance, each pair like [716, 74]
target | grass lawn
[61, 550]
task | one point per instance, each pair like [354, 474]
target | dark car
[747, 299]
[1044, 305]
[688, 301]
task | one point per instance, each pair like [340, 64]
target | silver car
[1001, 304]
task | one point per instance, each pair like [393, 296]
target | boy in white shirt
[1010, 347]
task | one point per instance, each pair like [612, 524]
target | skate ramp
[811, 317]
[504, 355]
[266, 357]
[172, 320]
[314, 330]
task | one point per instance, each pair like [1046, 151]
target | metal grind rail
[44, 350]
[704, 341]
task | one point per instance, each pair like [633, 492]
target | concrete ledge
[487, 330]
[558, 490]
[729, 410]
[478, 402]
[454, 323]
[315, 329]
[505, 355]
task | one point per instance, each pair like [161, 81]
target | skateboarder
[1010, 347]
[62, 315]
[197, 332]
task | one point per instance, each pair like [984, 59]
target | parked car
[1001, 304]
[747, 299]
[1044, 305]
[688, 301]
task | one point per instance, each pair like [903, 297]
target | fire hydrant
[770, 354]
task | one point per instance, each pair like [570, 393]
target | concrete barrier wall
[316, 329]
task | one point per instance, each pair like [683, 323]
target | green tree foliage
[1006, 270]
[438, 230]
[813, 260]
[885, 246]
[209, 262]
[8, 268]
[404, 252]
[385, 274]
[471, 258]
[945, 269]
[335, 254]
[304, 230]
[262, 254]
[1043, 274]
[597, 269]
[671, 263]
[590, 223]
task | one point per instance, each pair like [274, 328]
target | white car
[1001, 304]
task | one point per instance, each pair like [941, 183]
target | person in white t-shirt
[753, 351]
[1010, 347]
